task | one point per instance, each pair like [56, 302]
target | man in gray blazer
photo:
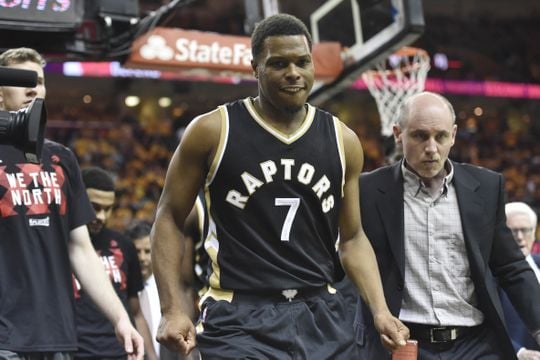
[438, 230]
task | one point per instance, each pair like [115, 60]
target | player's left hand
[131, 340]
[394, 334]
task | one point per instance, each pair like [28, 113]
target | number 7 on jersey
[293, 204]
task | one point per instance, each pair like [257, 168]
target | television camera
[23, 128]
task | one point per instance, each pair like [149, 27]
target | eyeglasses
[524, 231]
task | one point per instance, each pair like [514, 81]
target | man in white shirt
[139, 233]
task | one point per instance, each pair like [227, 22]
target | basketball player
[280, 177]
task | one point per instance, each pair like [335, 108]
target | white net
[395, 79]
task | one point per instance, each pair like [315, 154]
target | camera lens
[25, 129]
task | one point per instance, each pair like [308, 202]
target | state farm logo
[195, 49]
[215, 53]
[156, 48]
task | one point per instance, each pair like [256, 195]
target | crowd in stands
[485, 48]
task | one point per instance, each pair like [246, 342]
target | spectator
[95, 335]
[522, 221]
[139, 233]
[44, 239]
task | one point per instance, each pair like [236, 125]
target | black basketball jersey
[273, 202]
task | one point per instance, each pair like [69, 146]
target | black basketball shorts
[298, 324]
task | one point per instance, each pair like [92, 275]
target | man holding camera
[44, 210]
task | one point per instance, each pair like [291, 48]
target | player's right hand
[177, 333]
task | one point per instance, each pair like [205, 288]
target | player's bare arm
[185, 176]
[356, 252]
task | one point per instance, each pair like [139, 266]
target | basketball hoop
[393, 80]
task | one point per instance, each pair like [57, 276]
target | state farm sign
[192, 51]
[170, 49]
[175, 47]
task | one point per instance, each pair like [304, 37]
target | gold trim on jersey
[341, 151]
[285, 138]
[211, 245]
[200, 218]
[223, 136]
[211, 242]
[199, 328]
[199, 210]
[217, 294]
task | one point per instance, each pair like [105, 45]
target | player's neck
[285, 121]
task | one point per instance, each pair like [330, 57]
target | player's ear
[254, 67]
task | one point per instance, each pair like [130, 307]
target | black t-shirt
[94, 331]
[39, 205]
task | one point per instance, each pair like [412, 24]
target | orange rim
[408, 51]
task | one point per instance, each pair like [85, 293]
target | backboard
[370, 30]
